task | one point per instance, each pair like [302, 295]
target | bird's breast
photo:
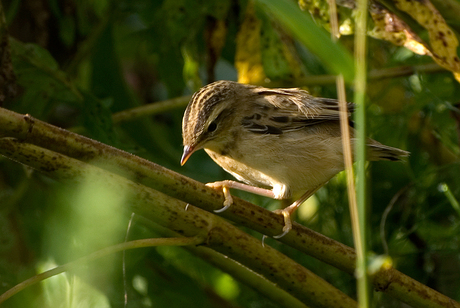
[289, 163]
[246, 173]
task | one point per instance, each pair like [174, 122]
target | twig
[150, 109]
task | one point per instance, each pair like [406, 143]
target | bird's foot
[287, 221]
[228, 200]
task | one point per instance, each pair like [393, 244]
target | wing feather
[284, 110]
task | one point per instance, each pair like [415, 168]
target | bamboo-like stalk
[36, 132]
[233, 268]
[171, 213]
[30, 130]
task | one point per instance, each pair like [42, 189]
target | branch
[150, 109]
[171, 213]
[242, 212]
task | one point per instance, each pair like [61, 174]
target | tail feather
[379, 151]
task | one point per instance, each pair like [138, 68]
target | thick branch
[171, 213]
[175, 185]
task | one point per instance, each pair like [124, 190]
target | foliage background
[76, 63]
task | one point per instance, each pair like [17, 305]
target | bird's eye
[212, 127]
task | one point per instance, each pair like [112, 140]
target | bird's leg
[288, 211]
[225, 185]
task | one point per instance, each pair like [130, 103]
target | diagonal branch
[219, 235]
[39, 133]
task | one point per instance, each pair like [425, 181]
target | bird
[281, 143]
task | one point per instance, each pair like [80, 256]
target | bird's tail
[378, 151]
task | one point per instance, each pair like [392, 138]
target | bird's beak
[188, 151]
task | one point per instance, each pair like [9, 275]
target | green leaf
[97, 118]
[334, 56]
[44, 84]
[107, 82]
[275, 64]
[279, 58]
[33, 54]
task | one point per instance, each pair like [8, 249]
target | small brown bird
[283, 143]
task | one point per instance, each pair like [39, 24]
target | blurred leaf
[334, 56]
[248, 57]
[108, 82]
[107, 79]
[191, 68]
[97, 118]
[215, 36]
[388, 26]
[43, 82]
[67, 31]
[69, 291]
[279, 57]
[443, 41]
[319, 9]
[34, 55]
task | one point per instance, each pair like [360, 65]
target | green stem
[450, 196]
[150, 109]
[360, 117]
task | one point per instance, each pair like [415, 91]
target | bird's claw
[287, 222]
[226, 206]
[285, 231]
[228, 200]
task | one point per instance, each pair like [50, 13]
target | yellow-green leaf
[248, 58]
[442, 39]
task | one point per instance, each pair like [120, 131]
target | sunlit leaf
[279, 58]
[248, 57]
[443, 41]
[388, 26]
[334, 56]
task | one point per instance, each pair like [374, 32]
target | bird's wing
[283, 110]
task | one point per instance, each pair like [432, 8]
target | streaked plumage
[280, 139]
